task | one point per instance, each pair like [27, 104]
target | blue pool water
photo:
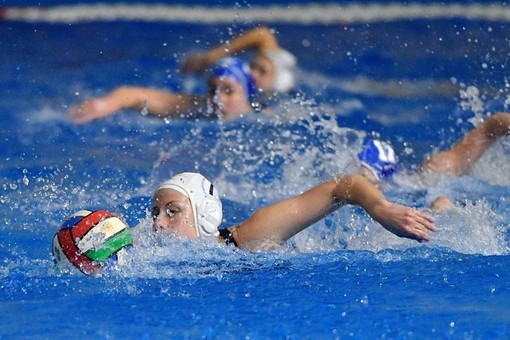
[418, 83]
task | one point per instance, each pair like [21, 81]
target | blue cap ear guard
[378, 157]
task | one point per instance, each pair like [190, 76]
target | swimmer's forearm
[284, 219]
[260, 39]
[459, 159]
[126, 98]
[153, 102]
[401, 220]
[357, 190]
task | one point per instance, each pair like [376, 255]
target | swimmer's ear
[210, 216]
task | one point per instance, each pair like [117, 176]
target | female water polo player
[188, 205]
[231, 94]
[272, 67]
[378, 161]
[271, 70]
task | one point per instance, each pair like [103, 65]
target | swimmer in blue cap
[231, 94]
[378, 160]
[272, 69]
[379, 163]
[231, 91]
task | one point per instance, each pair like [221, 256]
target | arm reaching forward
[459, 159]
[280, 221]
[156, 102]
[258, 39]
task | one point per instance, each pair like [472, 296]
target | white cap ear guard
[204, 198]
[284, 64]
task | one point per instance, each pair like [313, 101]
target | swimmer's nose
[220, 99]
[215, 100]
[159, 224]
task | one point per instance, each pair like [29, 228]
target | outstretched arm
[280, 221]
[461, 157]
[259, 39]
[158, 103]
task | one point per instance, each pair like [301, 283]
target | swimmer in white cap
[197, 201]
[188, 205]
[231, 94]
[272, 67]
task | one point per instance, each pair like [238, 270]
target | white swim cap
[284, 64]
[204, 198]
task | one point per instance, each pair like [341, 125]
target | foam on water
[418, 83]
[289, 155]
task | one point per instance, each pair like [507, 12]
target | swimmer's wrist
[379, 208]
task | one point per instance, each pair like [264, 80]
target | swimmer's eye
[212, 91]
[171, 211]
[216, 91]
[154, 213]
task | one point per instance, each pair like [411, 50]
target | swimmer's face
[171, 211]
[263, 72]
[227, 96]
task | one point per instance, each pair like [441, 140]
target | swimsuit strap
[227, 236]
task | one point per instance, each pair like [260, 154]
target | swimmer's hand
[196, 63]
[91, 110]
[404, 221]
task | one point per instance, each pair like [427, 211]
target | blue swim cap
[238, 70]
[379, 158]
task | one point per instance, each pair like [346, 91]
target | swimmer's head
[187, 202]
[379, 158]
[274, 70]
[238, 70]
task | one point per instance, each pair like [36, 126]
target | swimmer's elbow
[267, 39]
[265, 31]
[355, 189]
[341, 187]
